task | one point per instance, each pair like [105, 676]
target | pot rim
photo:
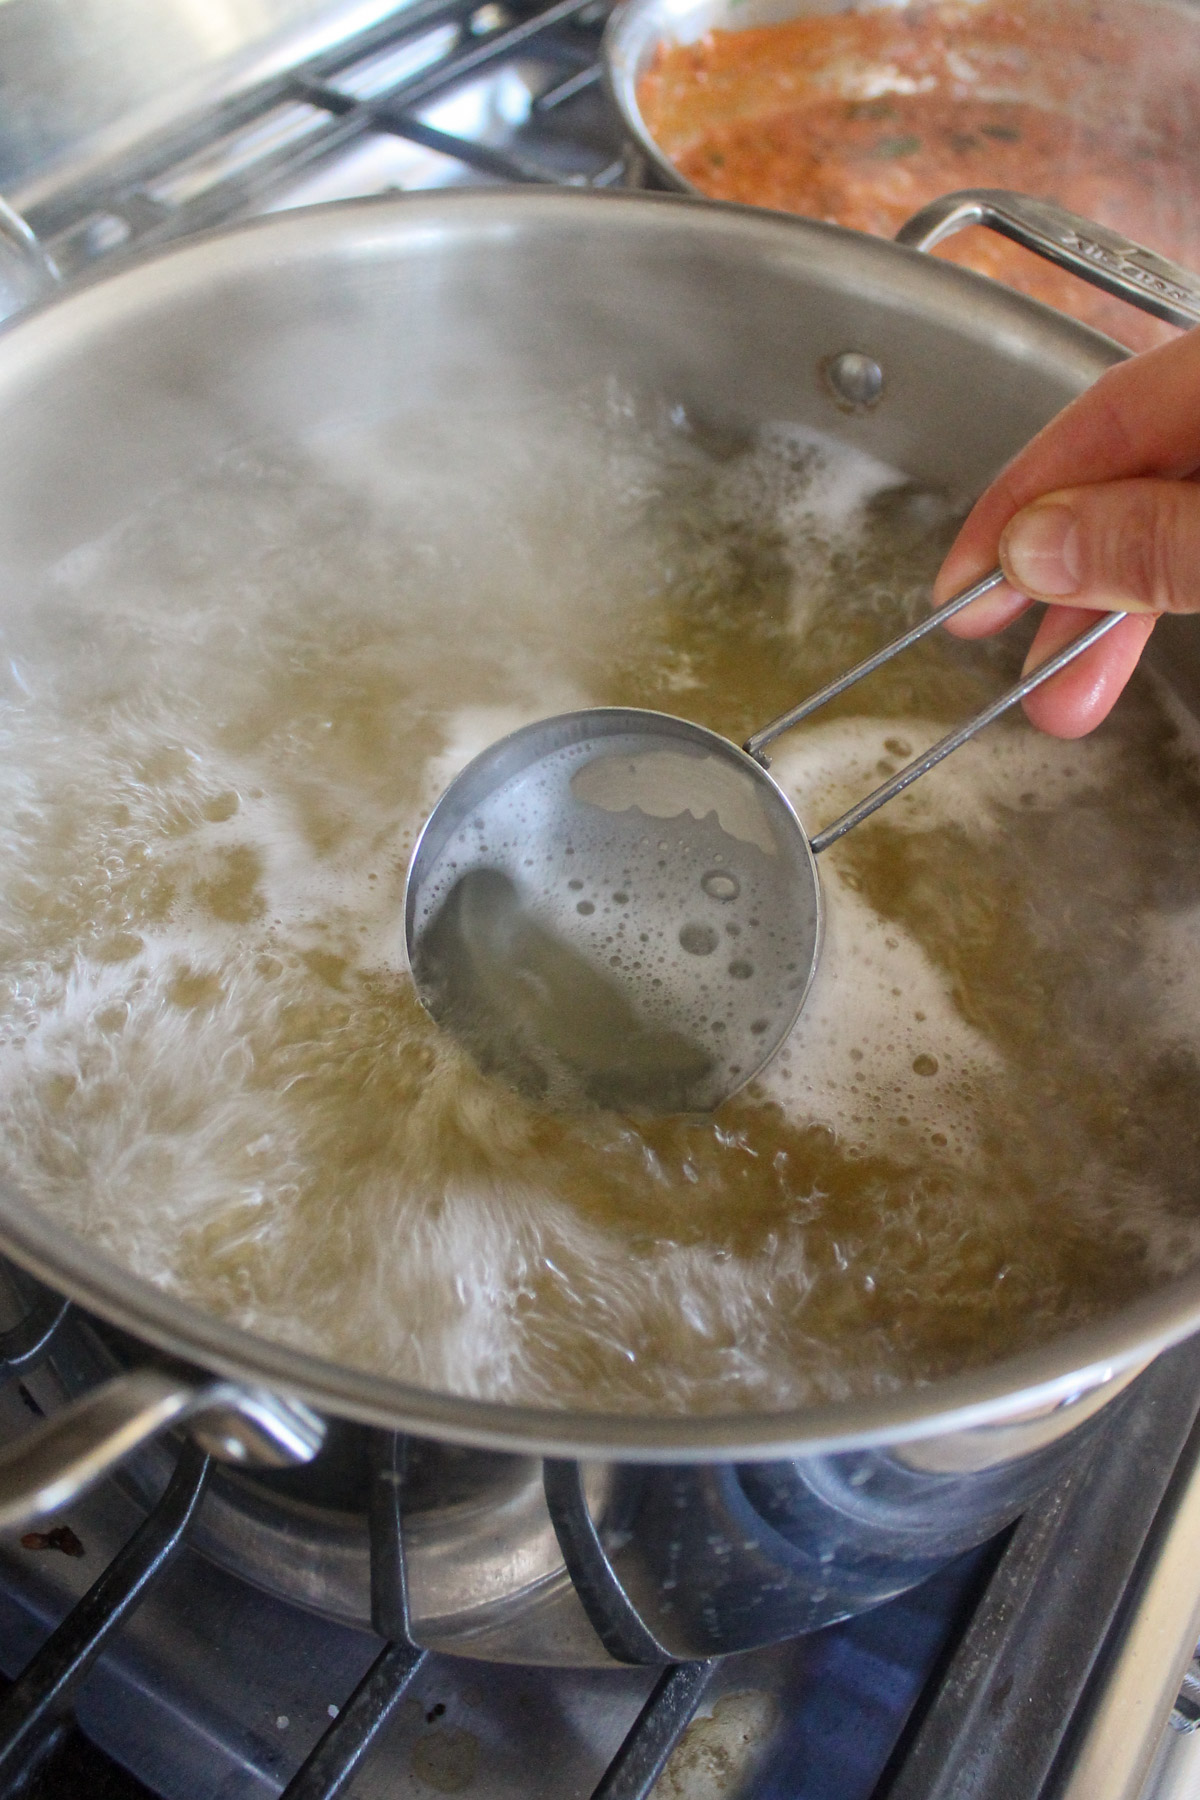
[631, 27]
[996, 1394]
[1037, 1381]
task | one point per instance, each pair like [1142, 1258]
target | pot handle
[27, 273]
[57, 1461]
[1091, 251]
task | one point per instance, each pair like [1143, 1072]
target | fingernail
[1040, 551]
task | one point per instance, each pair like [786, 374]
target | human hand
[1100, 513]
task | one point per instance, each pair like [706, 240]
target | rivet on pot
[854, 379]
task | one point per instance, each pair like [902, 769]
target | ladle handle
[1108, 261]
[754, 746]
[920, 765]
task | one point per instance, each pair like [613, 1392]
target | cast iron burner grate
[438, 92]
[96, 1661]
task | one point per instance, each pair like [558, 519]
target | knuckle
[1141, 557]
[1176, 538]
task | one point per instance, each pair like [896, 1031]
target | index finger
[1141, 418]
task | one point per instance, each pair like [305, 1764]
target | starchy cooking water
[221, 728]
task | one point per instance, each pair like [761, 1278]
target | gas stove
[188, 1632]
[193, 1633]
[434, 93]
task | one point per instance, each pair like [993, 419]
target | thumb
[1119, 546]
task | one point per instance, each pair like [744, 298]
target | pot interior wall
[404, 311]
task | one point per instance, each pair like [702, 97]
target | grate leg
[329, 1767]
[32, 1711]
[25, 1344]
[614, 1618]
[655, 1732]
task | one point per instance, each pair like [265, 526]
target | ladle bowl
[615, 906]
[619, 908]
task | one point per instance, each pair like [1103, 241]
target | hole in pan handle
[887, 790]
[1094, 252]
[27, 273]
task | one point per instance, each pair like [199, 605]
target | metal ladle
[618, 907]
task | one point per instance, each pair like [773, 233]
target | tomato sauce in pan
[861, 118]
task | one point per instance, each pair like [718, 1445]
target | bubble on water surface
[698, 940]
[719, 884]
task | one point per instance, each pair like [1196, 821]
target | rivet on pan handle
[1093, 252]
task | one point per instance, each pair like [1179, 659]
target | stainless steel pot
[114, 391]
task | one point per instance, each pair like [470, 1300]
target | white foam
[828, 767]
[878, 1015]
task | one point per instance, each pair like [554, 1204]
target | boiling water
[221, 729]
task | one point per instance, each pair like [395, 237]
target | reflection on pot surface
[862, 117]
[223, 725]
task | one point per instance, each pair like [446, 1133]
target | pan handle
[55, 1462]
[1093, 252]
[27, 273]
